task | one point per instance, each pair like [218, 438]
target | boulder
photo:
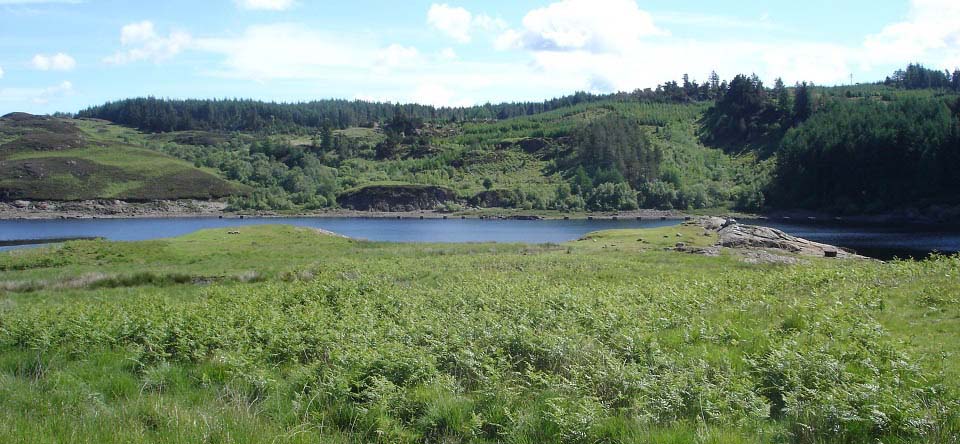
[712, 223]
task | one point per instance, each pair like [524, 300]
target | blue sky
[63, 55]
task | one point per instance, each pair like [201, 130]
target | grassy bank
[282, 334]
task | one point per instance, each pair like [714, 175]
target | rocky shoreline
[118, 209]
[757, 244]
[91, 209]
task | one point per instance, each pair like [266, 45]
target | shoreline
[162, 209]
[116, 209]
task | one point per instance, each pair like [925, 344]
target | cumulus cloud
[610, 45]
[931, 31]
[459, 23]
[265, 5]
[583, 25]
[142, 42]
[56, 62]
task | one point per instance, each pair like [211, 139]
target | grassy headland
[282, 334]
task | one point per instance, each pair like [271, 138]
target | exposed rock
[752, 236]
[753, 244]
[705, 251]
[524, 217]
[108, 208]
[396, 197]
[712, 223]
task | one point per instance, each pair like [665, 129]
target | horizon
[445, 54]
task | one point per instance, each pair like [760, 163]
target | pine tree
[714, 82]
[802, 103]
[782, 96]
[326, 138]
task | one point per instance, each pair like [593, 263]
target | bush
[613, 197]
[658, 194]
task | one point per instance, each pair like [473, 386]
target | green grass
[106, 166]
[605, 339]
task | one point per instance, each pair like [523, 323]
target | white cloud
[1, 72]
[763, 23]
[610, 45]
[583, 25]
[437, 95]
[453, 21]
[398, 55]
[459, 23]
[141, 42]
[931, 32]
[56, 62]
[36, 96]
[266, 5]
[447, 54]
[289, 51]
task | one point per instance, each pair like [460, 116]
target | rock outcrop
[756, 244]
[396, 197]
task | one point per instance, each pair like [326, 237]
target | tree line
[917, 76]
[154, 114]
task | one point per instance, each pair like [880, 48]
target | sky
[65, 55]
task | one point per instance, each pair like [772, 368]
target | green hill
[886, 147]
[46, 158]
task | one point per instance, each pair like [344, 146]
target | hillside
[887, 147]
[528, 162]
[45, 158]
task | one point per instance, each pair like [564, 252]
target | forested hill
[739, 144]
[164, 115]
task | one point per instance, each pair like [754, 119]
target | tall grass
[602, 341]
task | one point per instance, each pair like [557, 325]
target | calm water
[391, 230]
[877, 241]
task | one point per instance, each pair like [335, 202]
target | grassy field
[87, 159]
[282, 334]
